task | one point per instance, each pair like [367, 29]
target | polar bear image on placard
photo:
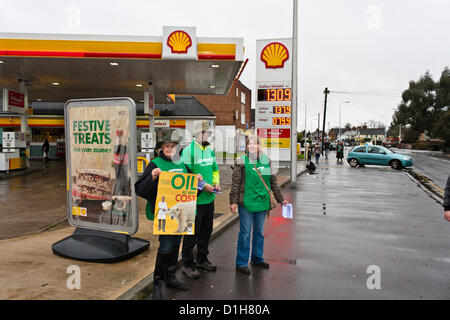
[184, 214]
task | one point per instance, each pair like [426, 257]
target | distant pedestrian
[317, 152]
[340, 151]
[249, 196]
[447, 200]
[45, 150]
[310, 151]
[326, 148]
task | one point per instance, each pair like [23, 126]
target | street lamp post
[312, 127]
[294, 97]
[385, 127]
[340, 107]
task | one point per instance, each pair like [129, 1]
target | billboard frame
[89, 242]
[104, 102]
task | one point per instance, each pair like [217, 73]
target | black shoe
[190, 272]
[244, 270]
[173, 282]
[263, 264]
[206, 265]
[158, 275]
[157, 291]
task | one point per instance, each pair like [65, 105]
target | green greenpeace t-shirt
[202, 160]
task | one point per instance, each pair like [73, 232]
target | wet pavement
[346, 221]
[32, 201]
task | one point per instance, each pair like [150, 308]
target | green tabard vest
[256, 197]
[164, 166]
[203, 162]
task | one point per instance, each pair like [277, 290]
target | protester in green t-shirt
[200, 158]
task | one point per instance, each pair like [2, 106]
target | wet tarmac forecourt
[357, 233]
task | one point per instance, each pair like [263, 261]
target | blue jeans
[169, 243]
[247, 219]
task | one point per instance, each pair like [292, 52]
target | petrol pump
[14, 152]
[147, 145]
[147, 152]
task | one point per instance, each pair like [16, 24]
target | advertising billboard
[101, 159]
[13, 101]
[149, 101]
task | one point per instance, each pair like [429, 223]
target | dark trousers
[169, 243]
[167, 256]
[203, 229]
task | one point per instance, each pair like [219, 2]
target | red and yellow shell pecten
[274, 55]
[179, 41]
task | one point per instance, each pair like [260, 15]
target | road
[346, 221]
[433, 165]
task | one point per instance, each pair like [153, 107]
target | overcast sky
[372, 48]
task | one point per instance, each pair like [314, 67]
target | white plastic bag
[287, 211]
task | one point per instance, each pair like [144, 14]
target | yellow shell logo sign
[179, 41]
[274, 55]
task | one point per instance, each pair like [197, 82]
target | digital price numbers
[281, 110]
[281, 121]
[274, 94]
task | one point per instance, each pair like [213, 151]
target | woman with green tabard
[249, 197]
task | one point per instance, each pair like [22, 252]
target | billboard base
[99, 246]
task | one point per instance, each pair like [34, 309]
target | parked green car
[377, 155]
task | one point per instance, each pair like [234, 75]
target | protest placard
[176, 203]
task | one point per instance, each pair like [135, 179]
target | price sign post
[101, 168]
[274, 96]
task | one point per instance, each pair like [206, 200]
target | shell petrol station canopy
[59, 67]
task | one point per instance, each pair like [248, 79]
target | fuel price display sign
[274, 95]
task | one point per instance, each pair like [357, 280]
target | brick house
[233, 116]
[374, 135]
